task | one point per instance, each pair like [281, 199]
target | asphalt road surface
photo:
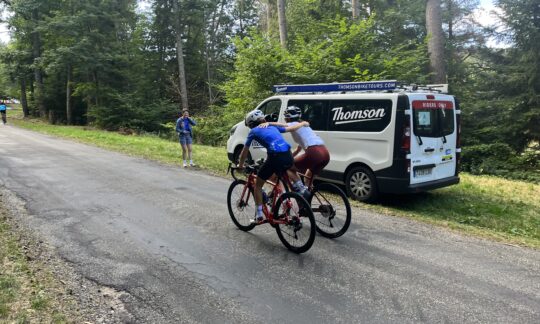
[163, 236]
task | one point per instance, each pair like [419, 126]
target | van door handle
[429, 149]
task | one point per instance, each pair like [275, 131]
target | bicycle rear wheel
[242, 207]
[331, 209]
[298, 233]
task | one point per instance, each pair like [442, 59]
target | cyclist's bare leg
[259, 183]
[309, 179]
[296, 181]
[293, 175]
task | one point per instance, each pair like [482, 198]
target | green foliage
[124, 111]
[339, 51]
[501, 160]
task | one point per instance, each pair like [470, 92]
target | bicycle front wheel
[298, 232]
[241, 203]
[331, 209]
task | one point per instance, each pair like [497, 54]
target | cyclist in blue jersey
[279, 156]
[3, 109]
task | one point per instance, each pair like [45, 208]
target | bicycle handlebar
[248, 168]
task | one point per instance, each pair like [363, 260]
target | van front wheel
[361, 184]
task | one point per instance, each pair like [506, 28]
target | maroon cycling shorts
[315, 158]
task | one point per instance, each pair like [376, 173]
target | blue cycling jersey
[270, 138]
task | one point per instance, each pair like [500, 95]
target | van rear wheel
[361, 184]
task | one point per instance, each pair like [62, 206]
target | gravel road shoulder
[70, 297]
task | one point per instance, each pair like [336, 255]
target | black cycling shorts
[276, 163]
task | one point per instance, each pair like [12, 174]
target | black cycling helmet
[293, 112]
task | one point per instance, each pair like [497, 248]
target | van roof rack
[336, 87]
[342, 87]
[440, 88]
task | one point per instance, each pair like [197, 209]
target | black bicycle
[331, 209]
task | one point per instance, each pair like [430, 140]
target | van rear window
[433, 118]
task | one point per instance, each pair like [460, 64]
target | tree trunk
[282, 23]
[180, 56]
[24, 102]
[436, 41]
[38, 76]
[269, 18]
[355, 9]
[69, 99]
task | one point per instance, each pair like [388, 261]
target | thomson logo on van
[356, 116]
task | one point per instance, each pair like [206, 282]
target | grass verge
[28, 293]
[485, 206]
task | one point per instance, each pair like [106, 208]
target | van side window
[271, 110]
[313, 111]
[370, 115]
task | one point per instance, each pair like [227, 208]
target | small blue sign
[448, 151]
[337, 87]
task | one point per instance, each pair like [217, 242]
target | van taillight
[406, 136]
[458, 143]
[458, 124]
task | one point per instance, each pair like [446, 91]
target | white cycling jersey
[305, 136]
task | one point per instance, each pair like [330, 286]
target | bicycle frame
[276, 193]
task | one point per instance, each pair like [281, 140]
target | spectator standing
[3, 109]
[185, 136]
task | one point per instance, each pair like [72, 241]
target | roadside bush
[500, 159]
[213, 129]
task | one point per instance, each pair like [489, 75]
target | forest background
[131, 66]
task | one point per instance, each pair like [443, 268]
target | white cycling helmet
[253, 117]
[293, 112]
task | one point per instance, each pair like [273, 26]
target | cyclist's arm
[296, 126]
[243, 156]
[265, 125]
[245, 149]
[297, 150]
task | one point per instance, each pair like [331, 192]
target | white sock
[259, 211]
[297, 186]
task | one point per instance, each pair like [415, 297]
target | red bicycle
[288, 212]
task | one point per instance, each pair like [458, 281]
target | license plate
[422, 172]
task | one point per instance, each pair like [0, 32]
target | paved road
[163, 236]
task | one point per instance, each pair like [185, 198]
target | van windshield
[433, 118]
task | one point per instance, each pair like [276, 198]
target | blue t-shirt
[270, 138]
[3, 107]
[183, 125]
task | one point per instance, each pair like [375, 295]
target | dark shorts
[276, 163]
[185, 139]
[315, 159]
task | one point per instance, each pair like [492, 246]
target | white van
[381, 138]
